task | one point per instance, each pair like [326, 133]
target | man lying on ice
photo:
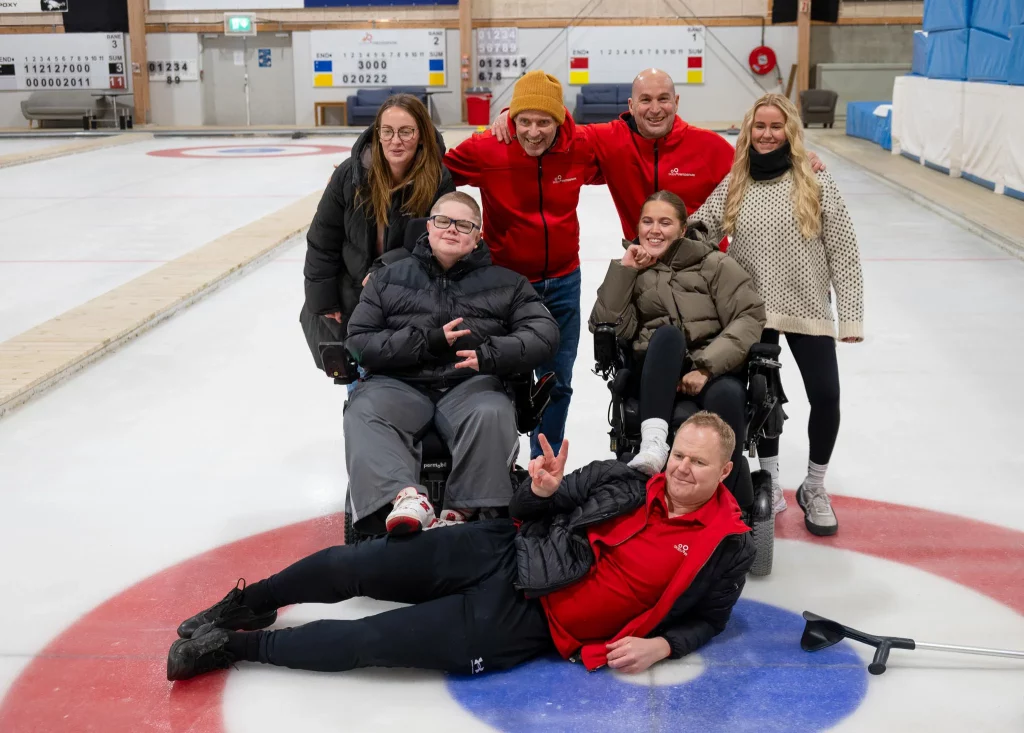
[604, 565]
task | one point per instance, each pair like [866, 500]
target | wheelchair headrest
[415, 229]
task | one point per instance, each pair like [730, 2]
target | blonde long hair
[424, 174]
[806, 191]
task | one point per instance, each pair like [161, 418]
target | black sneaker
[228, 613]
[203, 653]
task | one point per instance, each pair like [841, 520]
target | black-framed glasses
[404, 133]
[463, 226]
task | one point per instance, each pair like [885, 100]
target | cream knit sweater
[795, 275]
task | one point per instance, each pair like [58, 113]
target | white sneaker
[412, 512]
[448, 518]
[819, 517]
[778, 500]
[651, 458]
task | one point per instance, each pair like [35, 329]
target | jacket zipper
[544, 221]
[440, 312]
[655, 168]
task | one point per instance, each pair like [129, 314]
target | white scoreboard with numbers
[379, 58]
[611, 55]
[63, 61]
[497, 56]
[174, 71]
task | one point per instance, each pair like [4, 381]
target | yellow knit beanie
[538, 91]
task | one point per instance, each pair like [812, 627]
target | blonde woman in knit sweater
[791, 231]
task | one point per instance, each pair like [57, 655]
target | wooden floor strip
[37, 359]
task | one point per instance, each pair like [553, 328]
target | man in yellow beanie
[530, 192]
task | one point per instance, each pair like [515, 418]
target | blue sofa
[601, 102]
[361, 107]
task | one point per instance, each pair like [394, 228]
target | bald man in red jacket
[650, 148]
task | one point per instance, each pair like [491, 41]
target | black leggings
[467, 617]
[816, 359]
[724, 395]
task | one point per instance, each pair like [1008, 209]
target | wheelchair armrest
[338, 363]
[610, 352]
[765, 351]
[530, 398]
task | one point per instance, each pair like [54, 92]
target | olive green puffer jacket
[693, 286]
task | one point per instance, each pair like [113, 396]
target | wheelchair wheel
[762, 524]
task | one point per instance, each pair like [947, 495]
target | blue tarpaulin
[946, 15]
[920, 63]
[988, 57]
[861, 121]
[1015, 67]
[947, 55]
[996, 16]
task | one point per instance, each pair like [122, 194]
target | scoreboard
[63, 61]
[612, 55]
[378, 58]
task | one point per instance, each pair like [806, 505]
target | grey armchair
[818, 106]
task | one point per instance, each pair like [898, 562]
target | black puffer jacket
[553, 550]
[341, 243]
[396, 329]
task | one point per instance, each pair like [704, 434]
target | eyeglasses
[404, 133]
[463, 226]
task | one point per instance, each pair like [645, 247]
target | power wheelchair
[529, 396]
[615, 364]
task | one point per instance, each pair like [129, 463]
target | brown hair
[711, 421]
[423, 177]
[672, 200]
[460, 198]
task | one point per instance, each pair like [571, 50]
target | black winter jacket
[396, 330]
[341, 243]
[553, 551]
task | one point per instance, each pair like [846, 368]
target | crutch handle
[885, 643]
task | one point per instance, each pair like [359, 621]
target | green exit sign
[236, 24]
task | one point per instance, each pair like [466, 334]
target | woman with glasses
[394, 174]
[436, 333]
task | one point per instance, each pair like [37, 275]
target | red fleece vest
[722, 520]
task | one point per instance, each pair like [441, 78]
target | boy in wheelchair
[440, 332]
[691, 315]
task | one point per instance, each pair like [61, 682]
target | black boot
[204, 652]
[228, 613]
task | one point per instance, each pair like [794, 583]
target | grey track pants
[476, 420]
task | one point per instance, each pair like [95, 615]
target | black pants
[724, 395]
[816, 358]
[467, 617]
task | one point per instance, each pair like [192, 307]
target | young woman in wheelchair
[691, 314]
[438, 331]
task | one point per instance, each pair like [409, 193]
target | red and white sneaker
[448, 518]
[412, 512]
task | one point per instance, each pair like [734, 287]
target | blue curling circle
[755, 678]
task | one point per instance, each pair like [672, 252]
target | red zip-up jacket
[689, 161]
[530, 220]
[722, 520]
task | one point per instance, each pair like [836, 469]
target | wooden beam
[465, 52]
[12, 30]
[140, 60]
[803, 46]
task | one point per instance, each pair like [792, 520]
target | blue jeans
[562, 297]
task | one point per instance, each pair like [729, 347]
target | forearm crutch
[821, 633]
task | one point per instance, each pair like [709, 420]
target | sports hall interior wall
[868, 32]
